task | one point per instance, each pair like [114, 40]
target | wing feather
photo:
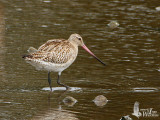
[55, 51]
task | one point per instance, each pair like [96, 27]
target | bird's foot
[68, 88]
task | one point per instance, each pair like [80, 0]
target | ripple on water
[145, 89]
[7, 102]
[46, 1]
[44, 26]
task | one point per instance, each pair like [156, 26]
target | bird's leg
[49, 81]
[58, 82]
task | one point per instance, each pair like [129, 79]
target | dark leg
[58, 82]
[49, 81]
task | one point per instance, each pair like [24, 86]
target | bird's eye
[79, 38]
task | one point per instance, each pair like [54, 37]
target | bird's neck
[74, 46]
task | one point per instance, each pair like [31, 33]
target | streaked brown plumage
[56, 55]
[55, 51]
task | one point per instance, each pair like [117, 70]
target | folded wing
[55, 51]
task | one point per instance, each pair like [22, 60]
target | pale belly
[48, 66]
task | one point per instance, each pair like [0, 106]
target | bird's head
[77, 40]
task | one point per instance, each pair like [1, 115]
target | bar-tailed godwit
[56, 55]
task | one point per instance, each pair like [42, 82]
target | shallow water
[131, 52]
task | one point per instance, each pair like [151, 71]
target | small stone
[113, 24]
[158, 8]
[69, 101]
[100, 100]
[126, 118]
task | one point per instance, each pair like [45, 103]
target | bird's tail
[27, 56]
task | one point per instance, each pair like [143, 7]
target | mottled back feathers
[57, 51]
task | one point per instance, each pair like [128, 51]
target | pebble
[100, 100]
[158, 8]
[113, 24]
[69, 101]
[126, 118]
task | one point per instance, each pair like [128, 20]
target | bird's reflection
[59, 97]
[62, 98]
[58, 113]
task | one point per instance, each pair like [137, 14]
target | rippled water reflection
[131, 52]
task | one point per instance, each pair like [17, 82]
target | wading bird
[56, 55]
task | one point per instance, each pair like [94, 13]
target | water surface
[131, 52]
